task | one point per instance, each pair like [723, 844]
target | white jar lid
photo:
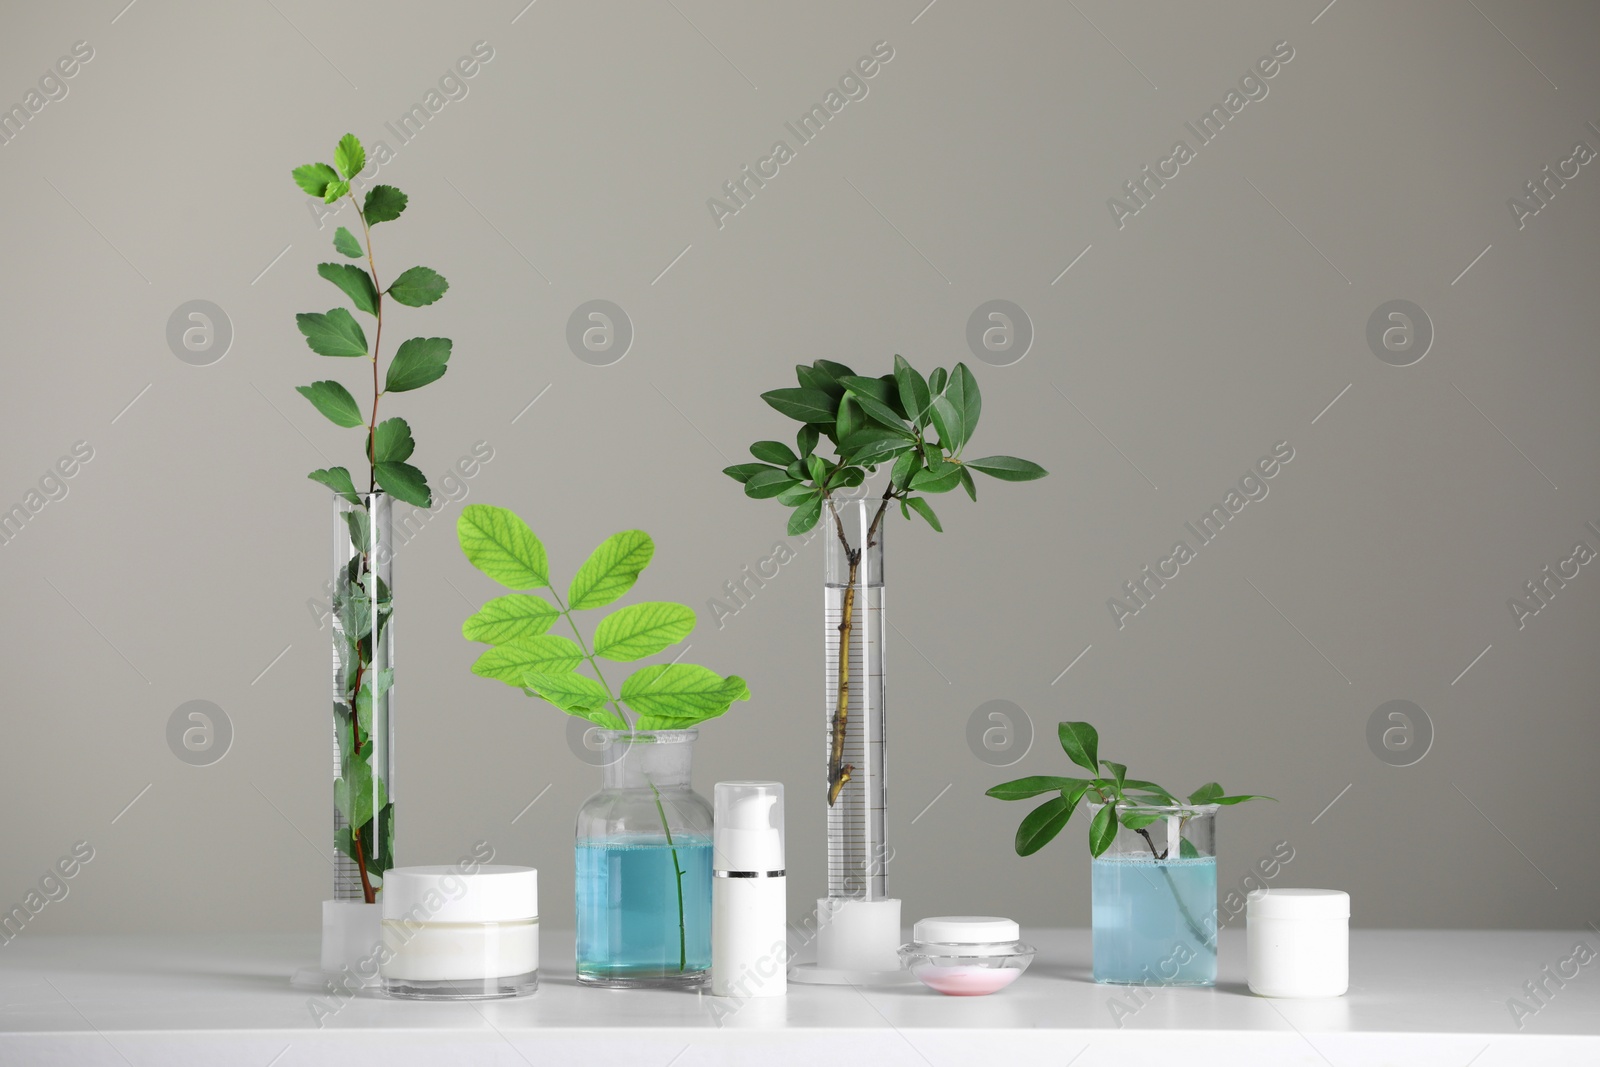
[446, 894]
[1298, 904]
[966, 930]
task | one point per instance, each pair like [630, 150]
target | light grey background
[1176, 351]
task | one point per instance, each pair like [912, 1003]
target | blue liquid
[1140, 933]
[628, 909]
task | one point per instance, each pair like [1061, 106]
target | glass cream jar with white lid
[450, 935]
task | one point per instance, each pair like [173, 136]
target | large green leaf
[773, 452]
[404, 482]
[610, 570]
[418, 287]
[850, 418]
[641, 630]
[1033, 785]
[1240, 799]
[913, 389]
[971, 402]
[671, 696]
[881, 413]
[574, 693]
[1206, 794]
[1007, 468]
[767, 483]
[545, 654]
[376, 684]
[345, 243]
[743, 472]
[1081, 743]
[514, 617]
[925, 509]
[803, 405]
[358, 792]
[384, 204]
[314, 178]
[1102, 829]
[334, 401]
[502, 546]
[350, 157]
[355, 282]
[417, 362]
[805, 516]
[337, 479]
[928, 482]
[392, 442]
[335, 334]
[1040, 826]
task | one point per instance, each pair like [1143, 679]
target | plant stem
[377, 342]
[593, 664]
[838, 771]
[683, 936]
[1188, 917]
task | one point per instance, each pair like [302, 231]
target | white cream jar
[1298, 942]
[448, 935]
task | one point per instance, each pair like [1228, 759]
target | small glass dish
[966, 955]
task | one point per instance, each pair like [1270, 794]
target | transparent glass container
[854, 709]
[966, 956]
[643, 860]
[362, 608]
[1155, 897]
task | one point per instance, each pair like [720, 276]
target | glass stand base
[688, 980]
[812, 974]
[516, 985]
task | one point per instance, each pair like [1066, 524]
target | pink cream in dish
[966, 955]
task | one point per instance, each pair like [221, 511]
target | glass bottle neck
[639, 761]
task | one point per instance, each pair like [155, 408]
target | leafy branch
[361, 600]
[870, 422]
[1133, 803]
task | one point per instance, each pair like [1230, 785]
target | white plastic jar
[450, 935]
[1298, 942]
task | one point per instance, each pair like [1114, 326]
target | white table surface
[1416, 998]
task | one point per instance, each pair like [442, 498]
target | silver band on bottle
[749, 874]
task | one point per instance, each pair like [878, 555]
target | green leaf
[378, 683]
[545, 653]
[574, 693]
[1138, 820]
[1206, 794]
[797, 494]
[392, 443]
[767, 483]
[873, 451]
[923, 508]
[345, 242]
[515, 617]
[850, 418]
[641, 630]
[335, 334]
[803, 405]
[384, 204]
[610, 570]
[314, 178]
[913, 389]
[1007, 468]
[806, 440]
[355, 282]
[773, 452]
[929, 482]
[418, 287]
[350, 157]
[358, 792]
[817, 467]
[334, 191]
[1041, 825]
[1102, 830]
[337, 479]
[1118, 771]
[1033, 785]
[334, 401]
[881, 413]
[1148, 787]
[971, 401]
[937, 381]
[836, 371]
[805, 516]
[861, 385]
[904, 469]
[1081, 742]
[500, 545]
[404, 482]
[417, 362]
[671, 696]
[1240, 799]
[967, 484]
[1186, 849]
[743, 472]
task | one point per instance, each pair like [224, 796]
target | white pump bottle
[749, 892]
